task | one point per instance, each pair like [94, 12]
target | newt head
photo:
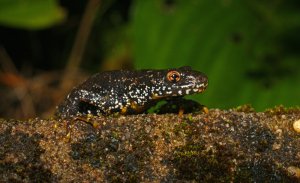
[179, 82]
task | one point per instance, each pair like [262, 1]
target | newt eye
[173, 76]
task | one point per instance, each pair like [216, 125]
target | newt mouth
[201, 88]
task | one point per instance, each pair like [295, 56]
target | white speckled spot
[187, 91]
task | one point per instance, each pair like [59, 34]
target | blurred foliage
[249, 49]
[30, 14]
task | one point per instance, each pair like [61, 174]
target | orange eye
[173, 76]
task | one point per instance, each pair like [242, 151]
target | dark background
[249, 49]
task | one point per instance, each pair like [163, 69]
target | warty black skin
[129, 92]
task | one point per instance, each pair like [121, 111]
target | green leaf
[238, 44]
[30, 14]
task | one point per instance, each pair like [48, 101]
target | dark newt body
[130, 92]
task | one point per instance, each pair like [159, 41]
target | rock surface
[236, 145]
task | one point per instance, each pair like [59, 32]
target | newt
[130, 92]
